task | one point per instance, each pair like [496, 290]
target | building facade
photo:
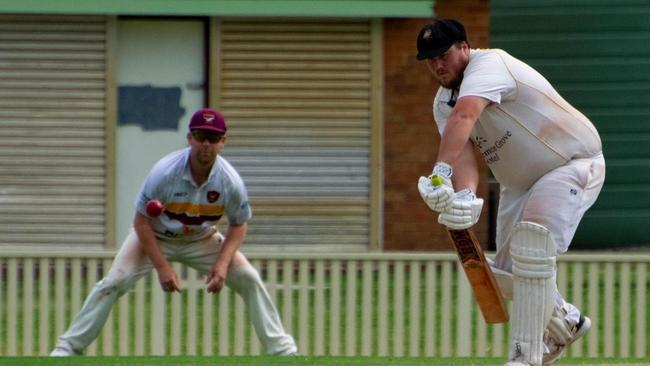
[329, 116]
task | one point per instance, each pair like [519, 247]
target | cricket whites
[471, 256]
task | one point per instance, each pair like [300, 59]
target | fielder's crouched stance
[197, 187]
[547, 157]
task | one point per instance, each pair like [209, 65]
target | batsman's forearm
[459, 127]
[466, 169]
[454, 138]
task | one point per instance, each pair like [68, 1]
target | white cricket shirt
[528, 129]
[191, 212]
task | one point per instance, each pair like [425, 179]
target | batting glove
[437, 197]
[463, 212]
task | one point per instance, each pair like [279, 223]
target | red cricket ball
[155, 208]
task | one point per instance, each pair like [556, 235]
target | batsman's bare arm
[459, 127]
[166, 275]
[233, 241]
[465, 167]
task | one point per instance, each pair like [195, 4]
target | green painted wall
[597, 55]
[301, 8]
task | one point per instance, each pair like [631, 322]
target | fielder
[197, 187]
[546, 155]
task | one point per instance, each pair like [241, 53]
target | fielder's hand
[217, 277]
[168, 279]
[437, 197]
[463, 212]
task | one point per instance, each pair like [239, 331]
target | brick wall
[410, 136]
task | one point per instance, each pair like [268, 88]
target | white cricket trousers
[131, 264]
[557, 201]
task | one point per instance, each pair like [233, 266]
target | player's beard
[453, 83]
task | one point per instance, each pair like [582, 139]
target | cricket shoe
[557, 347]
[518, 359]
[290, 352]
[64, 350]
[518, 362]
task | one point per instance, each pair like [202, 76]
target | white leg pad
[533, 253]
[503, 278]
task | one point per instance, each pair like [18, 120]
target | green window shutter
[597, 55]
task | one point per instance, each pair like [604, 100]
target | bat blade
[480, 276]
[478, 272]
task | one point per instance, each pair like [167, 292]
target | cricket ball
[155, 208]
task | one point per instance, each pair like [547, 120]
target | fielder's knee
[117, 285]
[244, 277]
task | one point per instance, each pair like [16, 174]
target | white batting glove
[463, 212]
[437, 197]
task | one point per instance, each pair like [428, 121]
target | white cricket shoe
[63, 351]
[517, 363]
[556, 349]
[288, 353]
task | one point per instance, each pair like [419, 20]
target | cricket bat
[480, 276]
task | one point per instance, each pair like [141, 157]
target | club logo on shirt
[213, 196]
[479, 141]
[187, 231]
[491, 153]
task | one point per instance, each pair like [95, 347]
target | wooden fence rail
[386, 304]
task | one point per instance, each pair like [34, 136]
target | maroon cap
[207, 119]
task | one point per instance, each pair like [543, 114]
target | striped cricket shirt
[192, 212]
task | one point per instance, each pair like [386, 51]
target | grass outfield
[289, 361]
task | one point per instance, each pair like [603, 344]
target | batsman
[547, 157]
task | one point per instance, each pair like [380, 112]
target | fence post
[28, 307]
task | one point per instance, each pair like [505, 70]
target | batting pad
[533, 267]
[503, 278]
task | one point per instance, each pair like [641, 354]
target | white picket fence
[390, 304]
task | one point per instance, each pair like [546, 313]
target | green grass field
[290, 361]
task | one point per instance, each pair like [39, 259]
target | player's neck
[200, 172]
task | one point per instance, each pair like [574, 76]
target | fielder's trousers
[131, 264]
